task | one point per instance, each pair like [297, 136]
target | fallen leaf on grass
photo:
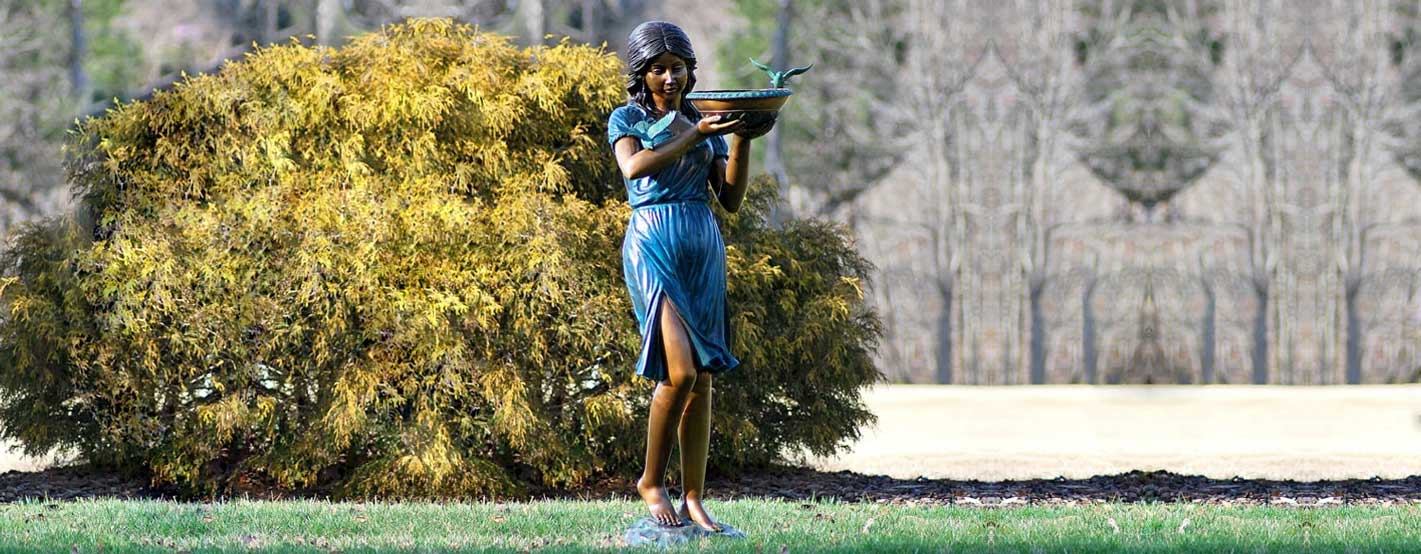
[362, 518]
[499, 519]
[208, 518]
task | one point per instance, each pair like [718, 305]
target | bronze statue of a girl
[672, 160]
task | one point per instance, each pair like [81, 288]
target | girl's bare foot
[658, 502]
[693, 510]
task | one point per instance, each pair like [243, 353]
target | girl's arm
[636, 162]
[732, 174]
[729, 177]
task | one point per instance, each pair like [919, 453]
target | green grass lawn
[773, 526]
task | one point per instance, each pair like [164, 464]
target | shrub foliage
[392, 268]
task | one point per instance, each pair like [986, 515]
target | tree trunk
[590, 14]
[269, 25]
[774, 162]
[535, 22]
[1206, 352]
[1265, 335]
[1019, 287]
[943, 372]
[327, 18]
[1088, 334]
[1358, 178]
[78, 79]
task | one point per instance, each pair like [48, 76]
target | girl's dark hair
[647, 42]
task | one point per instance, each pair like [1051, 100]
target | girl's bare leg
[667, 405]
[695, 446]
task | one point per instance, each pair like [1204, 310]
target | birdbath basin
[754, 106]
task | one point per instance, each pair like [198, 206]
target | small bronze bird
[778, 78]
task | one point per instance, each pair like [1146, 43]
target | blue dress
[673, 250]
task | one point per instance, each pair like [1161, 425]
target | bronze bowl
[754, 106]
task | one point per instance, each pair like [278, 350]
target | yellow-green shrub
[393, 267]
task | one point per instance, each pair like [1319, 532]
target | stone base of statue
[646, 531]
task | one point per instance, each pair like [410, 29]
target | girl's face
[666, 78]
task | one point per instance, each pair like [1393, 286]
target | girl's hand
[758, 130]
[712, 125]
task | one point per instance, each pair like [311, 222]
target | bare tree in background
[1144, 126]
[1355, 56]
[1404, 141]
[936, 71]
[78, 77]
[1257, 58]
[1405, 50]
[843, 131]
[1038, 54]
[36, 98]
[1148, 131]
[774, 162]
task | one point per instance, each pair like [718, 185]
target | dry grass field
[1273, 432]
[12, 459]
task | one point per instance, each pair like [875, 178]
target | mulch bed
[1134, 486]
[68, 483]
[803, 484]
